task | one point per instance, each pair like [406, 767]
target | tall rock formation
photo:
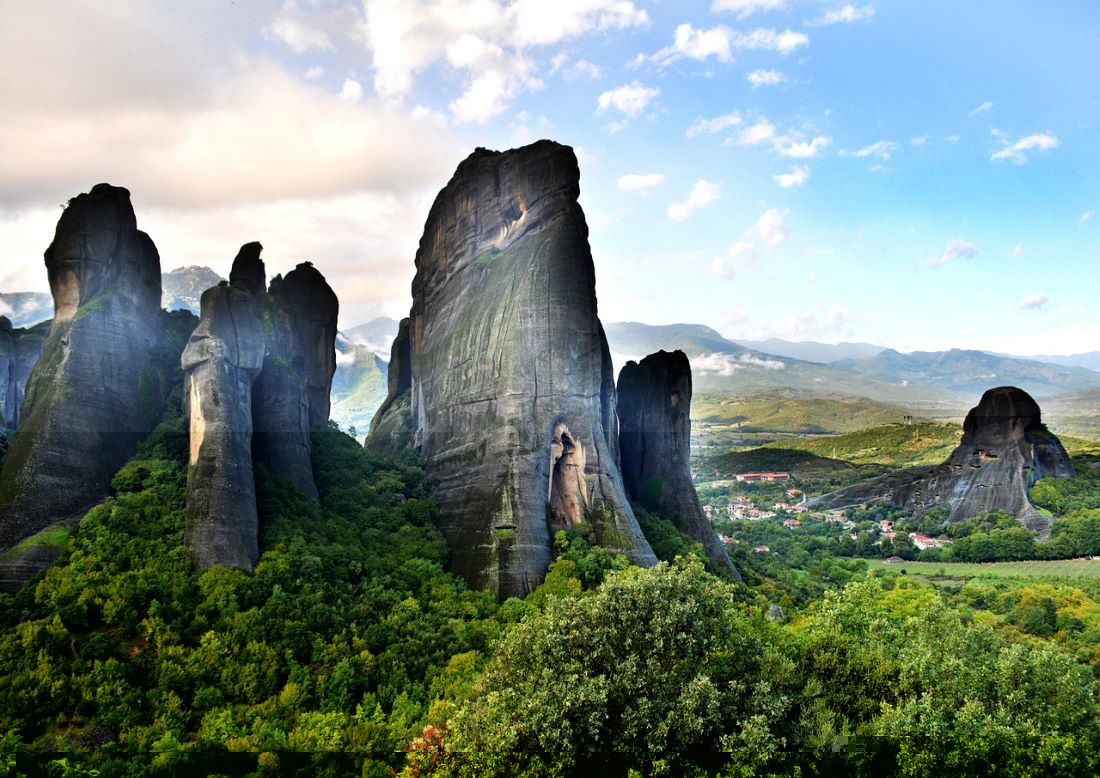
[509, 393]
[220, 364]
[83, 414]
[258, 370]
[1004, 449]
[19, 351]
[655, 444]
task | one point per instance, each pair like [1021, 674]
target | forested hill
[351, 651]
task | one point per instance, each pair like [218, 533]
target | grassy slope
[794, 413]
[1067, 568]
[896, 445]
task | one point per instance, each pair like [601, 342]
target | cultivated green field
[896, 445]
[1063, 568]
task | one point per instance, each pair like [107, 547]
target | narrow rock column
[655, 444]
[221, 362]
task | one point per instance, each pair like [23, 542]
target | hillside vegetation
[896, 445]
[788, 412]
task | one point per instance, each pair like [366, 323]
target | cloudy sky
[921, 175]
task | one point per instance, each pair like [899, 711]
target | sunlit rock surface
[509, 393]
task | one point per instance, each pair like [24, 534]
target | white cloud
[1017, 250]
[1017, 151]
[582, 68]
[767, 233]
[953, 138]
[1084, 217]
[727, 364]
[761, 132]
[986, 106]
[696, 44]
[881, 149]
[956, 248]
[846, 14]
[1034, 302]
[352, 90]
[315, 72]
[759, 78]
[640, 182]
[405, 37]
[794, 146]
[710, 126]
[293, 28]
[920, 140]
[746, 8]
[771, 40]
[703, 193]
[630, 99]
[796, 177]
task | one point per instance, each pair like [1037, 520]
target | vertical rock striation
[221, 361]
[20, 349]
[83, 414]
[1004, 449]
[258, 373]
[655, 444]
[509, 394]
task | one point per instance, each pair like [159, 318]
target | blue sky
[921, 175]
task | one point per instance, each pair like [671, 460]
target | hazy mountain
[26, 308]
[358, 387]
[1090, 359]
[376, 334]
[812, 351]
[972, 372]
[182, 288]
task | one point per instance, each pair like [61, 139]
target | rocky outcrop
[19, 352]
[220, 363]
[1004, 449]
[291, 395]
[258, 372]
[84, 413]
[509, 395]
[655, 445]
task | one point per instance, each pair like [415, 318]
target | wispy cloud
[881, 149]
[702, 194]
[796, 177]
[759, 78]
[710, 126]
[630, 99]
[986, 106]
[768, 232]
[956, 249]
[1084, 217]
[640, 182]
[694, 43]
[746, 8]
[761, 132]
[1017, 250]
[771, 40]
[795, 146]
[846, 14]
[920, 140]
[1017, 151]
[1034, 302]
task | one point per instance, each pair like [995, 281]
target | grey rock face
[19, 352]
[258, 372]
[1004, 449]
[83, 413]
[510, 397]
[655, 443]
[292, 392]
[221, 362]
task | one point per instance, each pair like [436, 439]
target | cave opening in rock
[567, 494]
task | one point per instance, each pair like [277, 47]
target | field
[896, 445]
[1061, 568]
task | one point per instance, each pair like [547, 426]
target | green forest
[351, 651]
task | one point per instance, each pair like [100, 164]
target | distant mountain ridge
[182, 288]
[812, 351]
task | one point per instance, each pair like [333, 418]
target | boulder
[509, 395]
[655, 445]
[1004, 449]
